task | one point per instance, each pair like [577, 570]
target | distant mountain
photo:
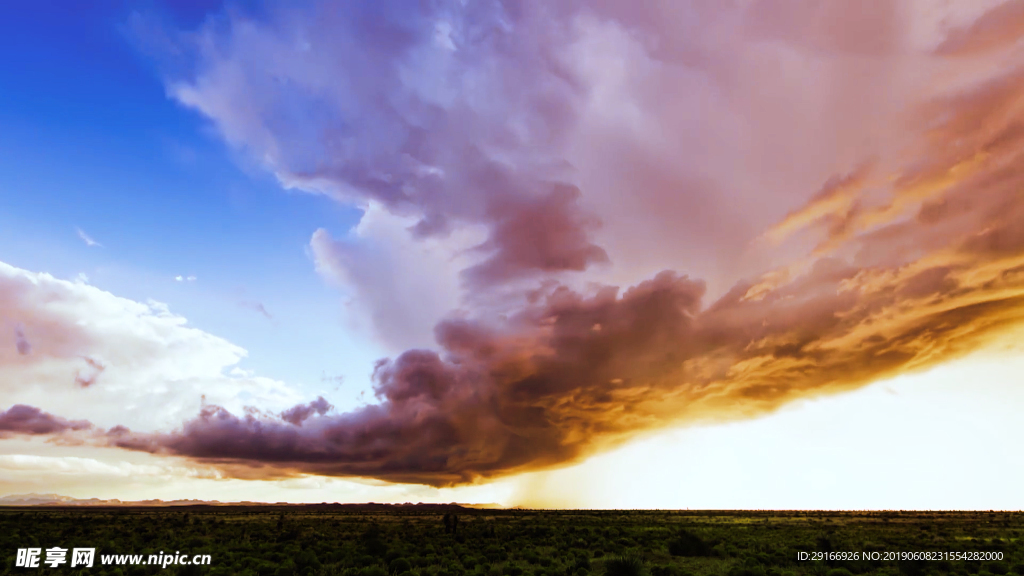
[60, 500]
[33, 499]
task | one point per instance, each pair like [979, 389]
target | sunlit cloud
[79, 352]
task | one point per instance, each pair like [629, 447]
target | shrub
[665, 570]
[997, 567]
[285, 569]
[336, 556]
[376, 547]
[399, 565]
[689, 544]
[307, 560]
[747, 570]
[580, 560]
[626, 565]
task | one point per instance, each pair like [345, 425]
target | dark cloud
[22, 419]
[544, 235]
[297, 414]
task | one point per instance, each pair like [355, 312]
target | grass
[329, 540]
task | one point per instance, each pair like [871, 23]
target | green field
[429, 541]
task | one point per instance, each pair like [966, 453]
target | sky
[747, 254]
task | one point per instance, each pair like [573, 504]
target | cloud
[21, 419]
[573, 374]
[546, 234]
[111, 360]
[999, 28]
[296, 415]
[87, 239]
[21, 343]
[834, 203]
[258, 307]
[399, 285]
[843, 195]
[407, 121]
[87, 376]
[180, 278]
[85, 471]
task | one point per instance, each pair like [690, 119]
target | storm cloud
[818, 197]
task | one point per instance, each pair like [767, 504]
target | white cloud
[31, 464]
[403, 284]
[113, 361]
[87, 239]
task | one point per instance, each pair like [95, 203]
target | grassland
[450, 541]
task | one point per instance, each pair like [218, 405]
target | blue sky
[91, 140]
